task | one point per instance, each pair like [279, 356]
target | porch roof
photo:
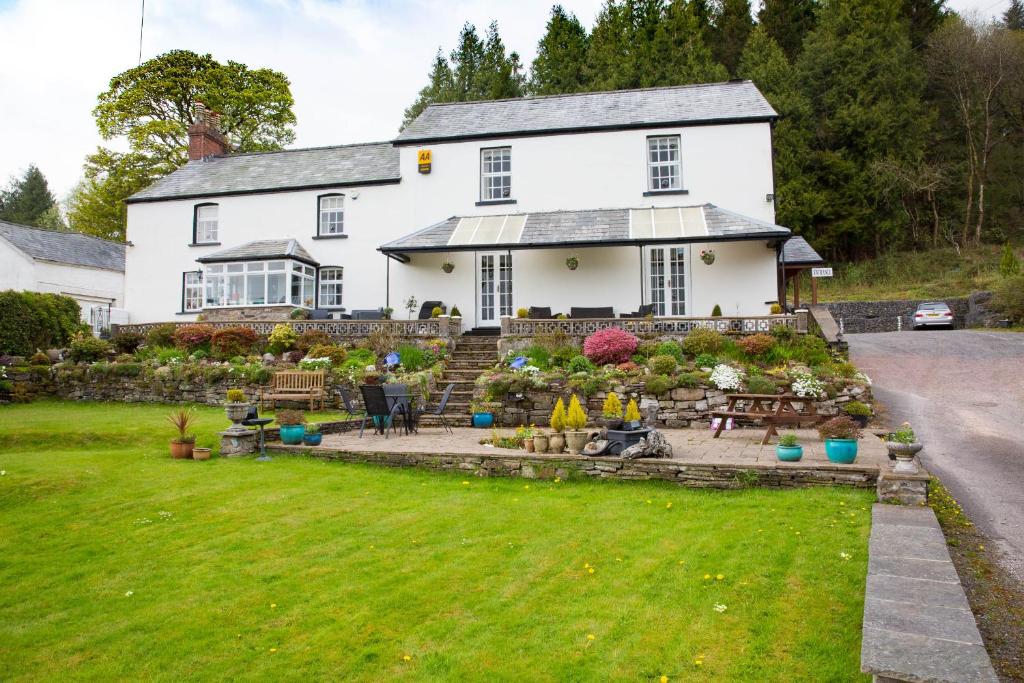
[797, 252]
[262, 250]
[587, 228]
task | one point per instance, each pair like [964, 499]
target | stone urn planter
[540, 443]
[556, 442]
[201, 453]
[576, 440]
[904, 454]
[236, 412]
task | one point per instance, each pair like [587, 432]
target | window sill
[495, 202]
[341, 236]
[655, 193]
[204, 244]
[187, 312]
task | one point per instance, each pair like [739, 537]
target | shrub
[160, 335]
[39, 358]
[783, 333]
[610, 345]
[553, 340]
[663, 364]
[632, 411]
[228, 342]
[166, 356]
[127, 369]
[522, 312]
[670, 348]
[538, 356]
[841, 427]
[647, 349]
[436, 312]
[759, 384]
[716, 312]
[299, 314]
[658, 384]
[628, 366]
[612, 407]
[183, 420]
[558, 417]
[857, 408]
[381, 342]
[31, 321]
[563, 354]
[310, 338]
[811, 350]
[690, 380]
[1008, 297]
[705, 360]
[193, 337]
[411, 357]
[576, 418]
[359, 359]
[236, 396]
[1008, 264]
[87, 348]
[290, 417]
[282, 338]
[127, 342]
[456, 312]
[756, 344]
[789, 440]
[776, 309]
[335, 352]
[580, 364]
[703, 340]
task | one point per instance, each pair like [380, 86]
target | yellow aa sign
[423, 159]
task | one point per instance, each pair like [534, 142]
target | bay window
[259, 283]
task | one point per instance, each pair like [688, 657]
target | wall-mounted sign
[423, 159]
[821, 272]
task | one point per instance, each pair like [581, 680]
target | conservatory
[264, 273]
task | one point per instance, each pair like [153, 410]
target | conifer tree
[622, 53]
[440, 87]
[788, 22]
[1013, 17]
[560, 64]
[733, 24]
[683, 57]
[27, 199]
[499, 75]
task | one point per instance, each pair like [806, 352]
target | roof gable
[71, 248]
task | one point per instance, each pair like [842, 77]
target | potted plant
[789, 448]
[201, 453]
[237, 408]
[387, 312]
[410, 305]
[522, 313]
[573, 262]
[293, 426]
[903, 447]
[707, 256]
[527, 434]
[612, 411]
[312, 435]
[576, 420]
[181, 445]
[556, 442]
[840, 435]
[632, 418]
[447, 266]
[483, 418]
[859, 412]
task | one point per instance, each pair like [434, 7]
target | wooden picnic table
[761, 408]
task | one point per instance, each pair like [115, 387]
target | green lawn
[117, 562]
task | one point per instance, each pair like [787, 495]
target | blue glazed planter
[291, 435]
[841, 451]
[312, 439]
[382, 421]
[483, 420]
[789, 453]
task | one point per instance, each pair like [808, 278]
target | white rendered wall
[87, 286]
[17, 271]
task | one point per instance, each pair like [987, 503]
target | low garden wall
[443, 327]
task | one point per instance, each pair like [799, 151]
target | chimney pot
[204, 136]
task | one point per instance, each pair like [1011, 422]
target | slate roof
[260, 250]
[65, 247]
[598, 227]
[643, 108]
[314, 167]
[797, 251]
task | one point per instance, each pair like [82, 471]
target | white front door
[666, 278]
[495, 287]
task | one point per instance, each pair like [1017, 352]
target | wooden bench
[294, 385]
[761, 409]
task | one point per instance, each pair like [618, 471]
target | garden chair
[400, 396]
[367, 314]
[439, 410]
[378, 409]
[642, 312]
[540, 313]
[427, 309]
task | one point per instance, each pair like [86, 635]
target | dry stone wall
[889, 316]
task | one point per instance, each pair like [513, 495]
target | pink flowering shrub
[192, 337]
[610, 345]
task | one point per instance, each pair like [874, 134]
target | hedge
[30, 321]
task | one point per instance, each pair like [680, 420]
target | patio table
[399, 394]
[761, 409]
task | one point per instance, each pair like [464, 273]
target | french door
[494, 298]
[666, 279]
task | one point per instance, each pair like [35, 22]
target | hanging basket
[572, 263]
[447, 266]
[707, 256]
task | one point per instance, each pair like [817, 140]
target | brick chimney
[204, 136]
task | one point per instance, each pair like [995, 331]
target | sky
[354, 65]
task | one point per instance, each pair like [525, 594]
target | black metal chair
[377, 409]
[367, 314]
[253, 419]
[399, 394]
[427, 309]
[439, 410]
[540, 313]
[642, 312]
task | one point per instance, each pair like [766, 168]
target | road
[963, 392]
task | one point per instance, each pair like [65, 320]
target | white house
[664, 198]
[88, 269]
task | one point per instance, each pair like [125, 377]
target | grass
[929, 274]
[117, 562]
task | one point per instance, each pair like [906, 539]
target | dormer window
[664, 168]
[496, 174]
[331, 213]
[204, 224]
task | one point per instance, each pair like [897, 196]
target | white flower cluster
[530, 370]
[862, 378]
[315, 363]
[807, 386]
[726, 377]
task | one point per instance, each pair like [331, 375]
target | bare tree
[915, 185]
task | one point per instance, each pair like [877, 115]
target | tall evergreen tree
[1013, 17]
[27, 199]
[440, 87]
[733, 24]
[466, 60]
[923, 16]
[622, 53]
[682, 55]
[865, 87]
[560, 64]
[500, 75]
[788, 22]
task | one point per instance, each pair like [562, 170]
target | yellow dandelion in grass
[273, 605]
[558, 480]
[590, 570]
[719, 577]
[590, 636]
[698, 662]
[707, 577]
[273, 649]
[465, 483]
[663, 679]
[648, 502]
[406, 658]
[527, 486]
[841, 503]
[668, 505]
[618, 559]
[798, 533]
[682, 561]
[586, 564]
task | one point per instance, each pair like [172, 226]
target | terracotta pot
[201, 453]
[181, 451]
[576, 440]
[556, 443]
[540, 443]
[528, 443]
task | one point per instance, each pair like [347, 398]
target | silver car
[932, 314]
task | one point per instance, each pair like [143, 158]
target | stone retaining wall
[882, 316]
[518, 464]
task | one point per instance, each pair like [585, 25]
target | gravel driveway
[963, 391]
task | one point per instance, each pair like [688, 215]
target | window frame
[217, 283]
[319, 216]
[650, 165]
[195, 224]
[185, 285]
[340, 282]
[485, 175]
